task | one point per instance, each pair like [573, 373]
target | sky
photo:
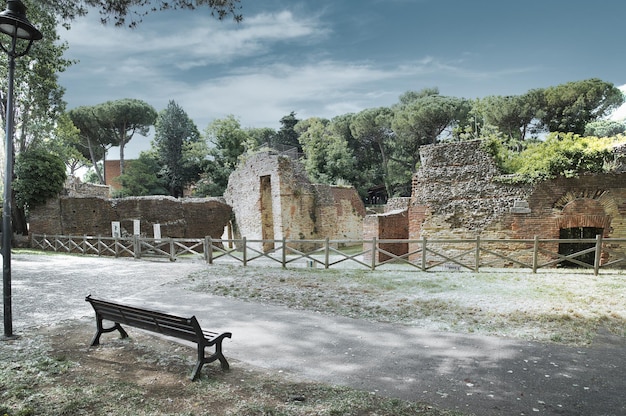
[325, 58]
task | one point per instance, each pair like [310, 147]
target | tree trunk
[18, 217]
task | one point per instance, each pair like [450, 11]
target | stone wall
[272, 199]
[75, 188]
[457, 182]
[178, 218]
[457, 194]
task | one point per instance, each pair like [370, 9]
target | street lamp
[13, 22]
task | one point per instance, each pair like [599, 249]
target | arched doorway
[575, 233]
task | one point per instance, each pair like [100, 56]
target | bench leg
[205, 360]
[100, 329]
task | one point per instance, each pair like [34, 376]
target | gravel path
[484, 375]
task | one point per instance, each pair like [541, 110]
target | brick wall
[269, 190]
[179, 218]
[457, 195]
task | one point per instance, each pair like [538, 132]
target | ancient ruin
[458, 193]
[272, 199]
[85, 209]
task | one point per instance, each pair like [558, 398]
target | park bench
[187, 329]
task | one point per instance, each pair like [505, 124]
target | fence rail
[423, 254]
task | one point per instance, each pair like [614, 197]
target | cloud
[250, 70]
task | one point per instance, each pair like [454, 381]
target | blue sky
[325, 58]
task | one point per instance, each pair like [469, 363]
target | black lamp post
[13, 22]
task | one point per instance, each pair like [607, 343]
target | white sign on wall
[116, 230]
[136, 227]
[157, 232]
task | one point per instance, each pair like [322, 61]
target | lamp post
[13, 22]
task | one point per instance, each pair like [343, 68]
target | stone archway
[583, 218]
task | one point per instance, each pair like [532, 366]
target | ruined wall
[272, 198]
[75, 188]
[393, 224]
[457, 194]
[287, 207]
[455, 190]
[179, 218]
[339, 213]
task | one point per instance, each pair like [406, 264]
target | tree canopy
[131, 12]
[175, 136]
[569, 107]
[121, 119]
[30, 168]
[422, 118]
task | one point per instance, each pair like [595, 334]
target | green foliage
[37, 93]
[229, 142]
[287, 136]
[570, 107]
[422, 119]
[91, 176]
[510, 116]
[141, 177]
[605, 128]
[370, 132]
[561, 155]
[121, 119]
[175, 137]
[131, 12]
[40, 175]
[328, 157]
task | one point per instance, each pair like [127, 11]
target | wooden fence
[424, 254]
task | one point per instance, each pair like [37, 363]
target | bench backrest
[166, 324]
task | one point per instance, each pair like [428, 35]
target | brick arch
[586, 212]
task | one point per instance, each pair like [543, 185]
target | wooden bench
[171, 325]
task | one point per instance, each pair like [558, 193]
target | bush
[40, 175]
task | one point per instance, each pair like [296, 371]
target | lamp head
[13, 22]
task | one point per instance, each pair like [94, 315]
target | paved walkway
[475, 374]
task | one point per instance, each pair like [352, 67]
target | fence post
[535, 254]
[205, 251]
[424, 253]
[172, 254]
[374, 253]
[284, 253]
[598, 257]
[327, 253]
[245, 251]
[137, 246]
[477, 255]
[209, 249]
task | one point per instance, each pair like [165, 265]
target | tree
[327, 156]
[569, 107]
[37, 94]
[94, 140]
[512, 116]
[262, 136]
[421, 120]
[31, 167]
[130, 12]
[142, 177]
[287, 136]
[229, 141]
[371, 130]
[121, 119]
[563, 154]
[175, 134]
[66, 143]
[605, 128]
